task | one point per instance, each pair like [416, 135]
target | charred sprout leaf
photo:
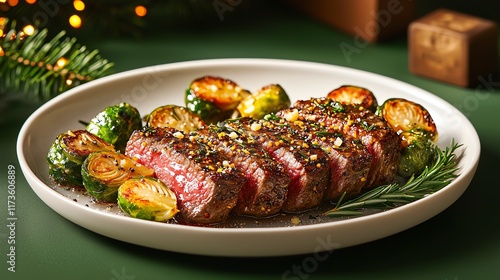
[213, 98]
[354, 95]
[437, 175]
[176, 117]
[67, 153]
[147, 198]
[103, 172]
[409, 119]
[269, 99]
[115, 124]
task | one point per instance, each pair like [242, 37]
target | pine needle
[36, 66]
[434, 177]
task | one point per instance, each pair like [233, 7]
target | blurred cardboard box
[453, 47]
[370, 20]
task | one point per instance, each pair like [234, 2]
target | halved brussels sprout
[67, 153]
[354, 95]
[417, 132]
[103, 172]
[147, 198]
[115, 124]
[409, 119]
[213, 98]
[416, 156]
[269, 99]
[174, 116]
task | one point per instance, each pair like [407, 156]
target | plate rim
[241, 62]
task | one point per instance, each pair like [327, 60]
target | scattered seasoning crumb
[178, 135]
[295, 220]
[338, 142]
[74, 199]
[233, 135]
[255, 126]
[86, 205]
[292, 116]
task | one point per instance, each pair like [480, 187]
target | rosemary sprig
[434, 177]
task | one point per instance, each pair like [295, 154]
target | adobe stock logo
[310, 264]
[371, 29]
[223, 6]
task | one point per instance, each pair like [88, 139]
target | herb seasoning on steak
[305, 164]
[266, 180]
[380, 139]
[349, 160]
[205, 182]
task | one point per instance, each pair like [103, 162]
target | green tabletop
[462, 242]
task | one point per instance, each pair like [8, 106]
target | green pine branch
[33, 65]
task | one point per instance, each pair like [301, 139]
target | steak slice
[266, 180]
[349, 160]
[205, 183]
[306, 165]
[380, 139]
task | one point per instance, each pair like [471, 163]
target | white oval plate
[150, 87]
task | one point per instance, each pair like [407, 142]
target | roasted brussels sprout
[417, 132]
[354, 95]
[103, 172]
[213, 98]
[416, 156]
[147, 198]
[269, 99]
[409, 119]
[174, 116]
[115, 124]
[67, 153]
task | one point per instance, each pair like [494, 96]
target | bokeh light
[79, 5]
[29, 29]
[141, 11]
[75, 21]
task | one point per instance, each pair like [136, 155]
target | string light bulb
[140, 11]
[29, 30]
[79, 5]
[61, 62]
[75, 21]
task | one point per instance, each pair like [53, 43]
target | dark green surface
[463, 242]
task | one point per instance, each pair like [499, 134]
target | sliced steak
[306, 165]
[349, 160]
[266, 180]
[380, 139]
[207, 186]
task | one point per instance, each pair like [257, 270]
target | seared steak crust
[266, 179]
[206, 188]
[380, 139]
[349, 160]
[306, 165]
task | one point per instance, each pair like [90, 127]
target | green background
[463, 242]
